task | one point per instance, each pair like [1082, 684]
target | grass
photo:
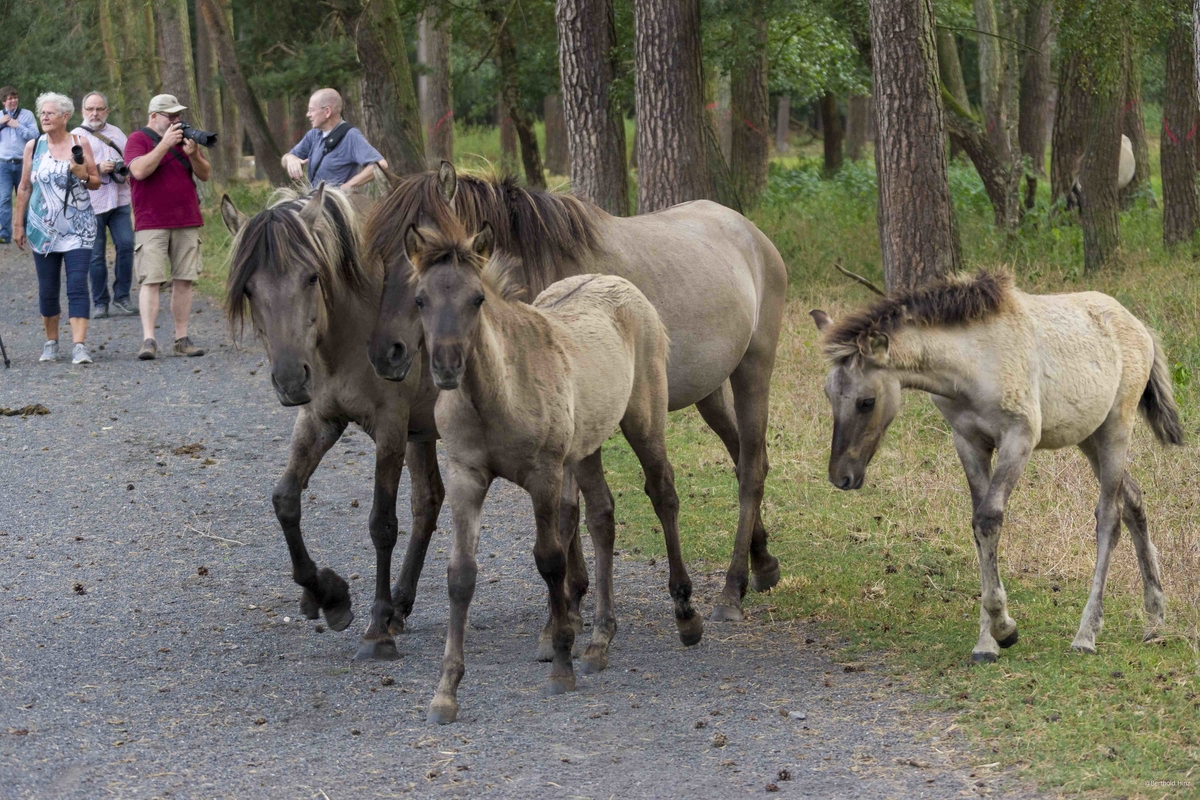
[892, 568]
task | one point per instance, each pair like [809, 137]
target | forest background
[1028, 93]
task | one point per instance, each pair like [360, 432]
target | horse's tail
[1158, 400]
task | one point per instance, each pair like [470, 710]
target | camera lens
[77, 153]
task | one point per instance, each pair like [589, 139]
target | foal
[528, 394]
[1010, 372]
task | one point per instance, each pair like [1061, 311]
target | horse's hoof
[377, 650]
[545, 649]
[442, 712]
[396, 625]
[1008, 641]
[338, 619]
[1083, 648]
[983, 658]
[309, 606]
[726, 614]
[560, 685]
[595, 659]
[690, 630]
[766, 579]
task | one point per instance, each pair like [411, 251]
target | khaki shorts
[159, 251]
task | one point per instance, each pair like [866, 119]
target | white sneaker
[49, 351]
[81, 354]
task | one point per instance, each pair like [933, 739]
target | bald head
[325, 109]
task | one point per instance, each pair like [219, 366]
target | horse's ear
[447, 182]
[312, 209]
[233, 219]
[878, 345]
[414, 243]
[484, 241]
[821, 319]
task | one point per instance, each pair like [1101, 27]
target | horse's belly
[1072, 409]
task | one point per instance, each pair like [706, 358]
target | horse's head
[450, 289]
[865, 396]
[289, 263]
[413, 202]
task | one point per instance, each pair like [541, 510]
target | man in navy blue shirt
[334, 151]
[17, 126]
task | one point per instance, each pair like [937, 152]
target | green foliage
[51, 46]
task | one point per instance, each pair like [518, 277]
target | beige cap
[165, 104]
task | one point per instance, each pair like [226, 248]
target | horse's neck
[927, 359]
[487, 379]
[351, 319]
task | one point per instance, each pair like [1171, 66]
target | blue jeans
[117, 221]
[10, 178]
[49, 273]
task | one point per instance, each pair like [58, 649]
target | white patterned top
[60, 214]
[111, 194]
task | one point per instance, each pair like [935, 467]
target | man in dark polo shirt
[166, 219]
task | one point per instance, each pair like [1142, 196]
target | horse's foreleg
[467, 490]
[976, 458]
[1012, 456]
[427, 496]
[751, 394]
[377, 641]
[551, 559]
[602, 528]
[577, 576]
[717, 411]
[1147, 555]
[1106, 452]
[324, 589]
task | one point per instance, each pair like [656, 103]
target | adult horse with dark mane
[298, 266]
[717, 282]
[1011, 372]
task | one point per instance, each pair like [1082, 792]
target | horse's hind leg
[717, 411]
[427, 496]
[577, 577]
[1106, 450]
[751, 383]
[645, 430]
[325, 589]
[1147, 555]
[590, 475]
[377, 641]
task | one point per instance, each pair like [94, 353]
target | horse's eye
[246, 293]
[312, 279]
[866, 404]
[420, 303]
[478, 301]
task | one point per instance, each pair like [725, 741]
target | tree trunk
[991, 69]
[1070, 135]
[148, 48]
[1099, 206]
[557, 160]
[112, 64]
[390, 118]
[209, 101]
[433, 88]
[1035, 91]
[591, 111]
[783, 125]
[857, 108]
[917, 233]
[831, 127]
[510, 88]
[131, 45]
[723, 118]
[1134, 126]
[266, 153]
[950, 70]
[509, 150]
[233, 134]
[1178, 129]
[673, 154]
[277, 121]
[1001, 178]
[175, 37]
[750, 138]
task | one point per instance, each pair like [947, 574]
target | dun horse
[1011, 372]
[717, 282]
[312, 300]
[530, 393]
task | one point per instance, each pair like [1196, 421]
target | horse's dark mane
[542, 230]
[452, 243]
[278, 239]
[953, 301]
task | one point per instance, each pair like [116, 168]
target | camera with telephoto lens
[77, 153]
[205, 138]
[120, 171]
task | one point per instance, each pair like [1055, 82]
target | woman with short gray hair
[56, 171]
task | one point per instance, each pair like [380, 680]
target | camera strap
[105, 139]
[174, 152]
[328, 146]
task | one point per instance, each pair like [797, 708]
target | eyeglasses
[51, 113]
[91, 109]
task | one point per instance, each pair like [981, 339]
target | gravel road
[151, 645]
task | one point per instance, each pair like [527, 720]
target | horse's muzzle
[393, 364]
[447, 365]
[846, 479]
[295, 389]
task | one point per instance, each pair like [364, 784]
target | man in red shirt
[166, 219]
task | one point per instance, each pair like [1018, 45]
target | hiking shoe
[3, 240]
[184, 347]
[122, 308]
[99, 311]
[149, 350]
[81, 355]
[49, 351]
